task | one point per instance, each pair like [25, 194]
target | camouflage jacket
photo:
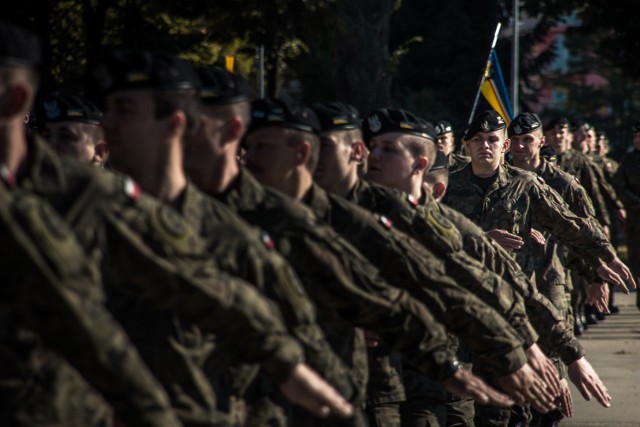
[469, 256]
[577, 164]
[136, 244]
[44, 290]
[404, 261]
[627, 182]
[249, 253]
[514, 201]
[456, 161]
[604, 184]
[342, 283]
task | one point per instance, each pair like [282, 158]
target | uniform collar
[44, 168]
[318, 200]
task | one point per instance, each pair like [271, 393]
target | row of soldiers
[248, 262]
[578, 149]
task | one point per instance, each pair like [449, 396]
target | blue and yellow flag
[494, 89]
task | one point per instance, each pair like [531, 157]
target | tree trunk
[362, 72]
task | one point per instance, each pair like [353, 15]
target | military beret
[386, 120]
[582, 124]
[267, 113]
[443, 127]
[130, 70]
[19, 47]
[558, 123]
[220, 87]
[636, 127]
[59, 107]
[524, 123]
[485, 121]
[441, 162]
[336, 116]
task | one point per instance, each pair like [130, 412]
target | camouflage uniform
[400, 259]
[513, 202]
[416, 217]
[247, 252]
[335, 275]
[45, 279]
[627, 182]
[577, 164]
[136, 244]
[457, 161]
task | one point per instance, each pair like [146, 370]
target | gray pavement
[613, 348]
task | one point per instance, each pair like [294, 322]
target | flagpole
[484, 74]
[515, 55]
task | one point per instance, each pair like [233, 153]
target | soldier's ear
[507, 144]
[439, 188]
[420, 165]
[14, 100]
[358, 152]
[234, 128]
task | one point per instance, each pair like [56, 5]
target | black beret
[558, 123]
[441, 162]
[336, 116]
[443, 127]
[130, 70]
[582, 124]
[485, 121]
[524, 123]
[267, 113]
[636, 127]
[220, 87]
[386, 120]
[59, 107]
[19, 47]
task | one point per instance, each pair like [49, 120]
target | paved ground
[613, 348]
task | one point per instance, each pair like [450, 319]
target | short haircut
[433, 177]
[421, 147]
[169, 101]
[293, 136]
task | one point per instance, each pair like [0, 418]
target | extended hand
[544, 367]
[537, 237]
[464, 383]
[306, 388]
[598, 295]
[505, 239]
[524, 385]
[585, 378]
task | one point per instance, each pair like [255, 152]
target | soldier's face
[556, 139]
[487, 148]
[445, 143]
[334, 161]
[390, 162]
[133, 133]
[526, 147]
[270, 157]
[580, 140]
[71, 139]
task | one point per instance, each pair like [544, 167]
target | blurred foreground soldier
[447, 145]
[163, 101]
[71, 125]
[504, 201]
[342, 284]
[45, 279]
[627, 182]
[152, 255]
[236, 248]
